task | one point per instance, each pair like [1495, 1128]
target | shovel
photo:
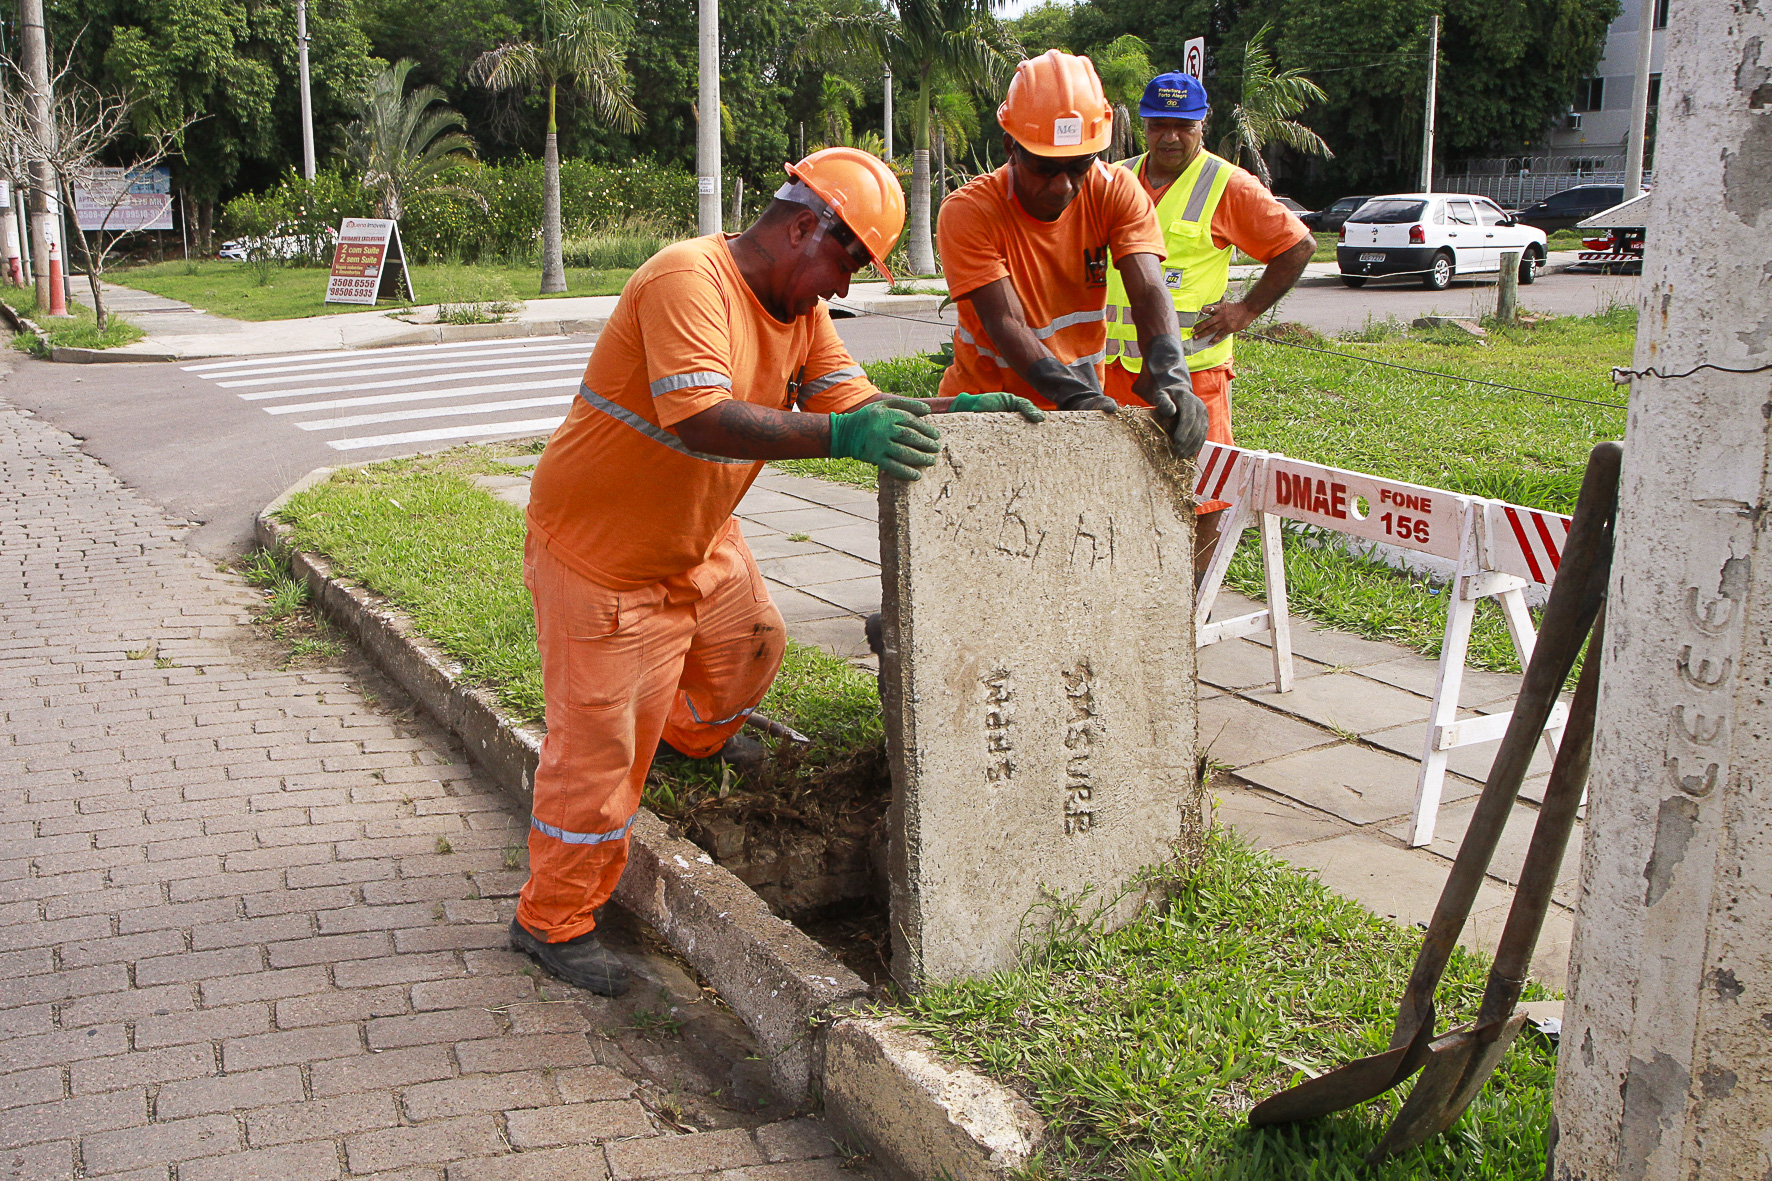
[1575, 599]
[1459, 1063]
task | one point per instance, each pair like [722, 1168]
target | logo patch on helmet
[1067, 133]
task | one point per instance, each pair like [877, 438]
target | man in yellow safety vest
[1205, 206]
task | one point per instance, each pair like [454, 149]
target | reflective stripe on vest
[1202, 271]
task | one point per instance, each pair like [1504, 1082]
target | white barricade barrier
[1499, 548]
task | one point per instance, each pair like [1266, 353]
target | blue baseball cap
[1174, 96]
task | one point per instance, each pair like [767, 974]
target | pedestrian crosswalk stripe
[575, 365]
[337, 393]
[530, 426]
[210, 366]
[324, 424]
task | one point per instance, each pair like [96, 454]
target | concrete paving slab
[1550, 959]
[858, 541]
[767, 543]
[841, 635]
[804, 520]
[1335, 648]
[760, 499]
[1236, 733]
[797, 607]
[1229, 604]
[813, 490]
[1418, 675]
[824, 566]
[1473, 762]
[860, 595]
[1346, 702]
[1267, 822]
[1356, 783]
[1238, 664]
[1510, 851]
[1399, 884]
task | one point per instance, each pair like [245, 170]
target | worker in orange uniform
[1026, 253]
[1206, 205]
[651, 615]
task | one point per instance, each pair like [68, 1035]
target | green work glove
[987, 403]
[889, 435]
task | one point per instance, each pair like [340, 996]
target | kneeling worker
[1026, 248]
[1205, 205]
[651, 615]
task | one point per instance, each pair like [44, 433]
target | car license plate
[1373, 256]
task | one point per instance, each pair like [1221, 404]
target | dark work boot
[582, 962]
[874, 627]
[743, 752]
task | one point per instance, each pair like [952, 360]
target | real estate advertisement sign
[118, 200]
[369, 263]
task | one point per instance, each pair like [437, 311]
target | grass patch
[1144, 1048]
[1564, 240]
[233, 289]
[81, 332]
[909, 377]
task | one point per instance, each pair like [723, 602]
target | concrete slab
[1343, 701]
[813, 490]
[1473, 762]
[858, 595]
[1510, 851]
[1356, 783]
[761, 499]
[1267, 822]
[1550, 959]
[1238, 664]
[1236, 733]
[1336, 648]
[1398, 884]
[767, 544]
[1419, 675]
[805, 519]
[840, 635]
[861, 540]
[1038, 679]
[822, 566]
[797, 607]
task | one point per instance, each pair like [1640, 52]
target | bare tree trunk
[922, 244]
[553, 262]
[205, 225]
[93, 265]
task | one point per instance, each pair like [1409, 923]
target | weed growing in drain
[1145, 1047]
[648, 1022]
[289, 614]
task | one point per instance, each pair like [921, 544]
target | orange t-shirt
[617, 495]
[1058, 268]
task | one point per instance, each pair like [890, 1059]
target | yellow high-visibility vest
[1196, 272]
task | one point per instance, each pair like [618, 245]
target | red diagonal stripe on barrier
[1550, 547]
[1206, 474]
[1225, 475]
[1513, 518]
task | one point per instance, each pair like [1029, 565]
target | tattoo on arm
[741, 430]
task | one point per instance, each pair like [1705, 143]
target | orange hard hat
[1056, 106]
[861, 190]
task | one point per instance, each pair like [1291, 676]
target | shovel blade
[1346, 1085]
[1458, 1065]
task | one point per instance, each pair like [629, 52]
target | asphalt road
[213, 442]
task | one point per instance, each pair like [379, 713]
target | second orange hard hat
[862, 191]
[1056, 106]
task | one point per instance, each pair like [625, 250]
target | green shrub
[619, 251]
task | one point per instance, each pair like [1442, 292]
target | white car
[1434, 236]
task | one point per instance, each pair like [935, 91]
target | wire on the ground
[1623, 376]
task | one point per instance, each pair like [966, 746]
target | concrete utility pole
[1665, 1067]
[34, 49]
[1639, 102]
[707, 132]
[307, 99]
[889, 112]
[1433, 85]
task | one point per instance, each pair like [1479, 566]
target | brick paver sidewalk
[252, 925]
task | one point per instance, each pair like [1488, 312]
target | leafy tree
[1124, 65]
[1264, 113]
[928, 43]
[405, 144]
[582, 45]
[839, 94]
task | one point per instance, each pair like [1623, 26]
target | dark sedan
[1332, 217]
[1562, 210]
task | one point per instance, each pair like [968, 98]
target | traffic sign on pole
[1193, 57]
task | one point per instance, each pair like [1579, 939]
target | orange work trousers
[686, 659]
[1211, 386]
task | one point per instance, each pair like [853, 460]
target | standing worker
[1026, 252]
[1206, 205]
[651, 615]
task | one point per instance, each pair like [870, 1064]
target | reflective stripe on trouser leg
[733, 659]
[611, 661]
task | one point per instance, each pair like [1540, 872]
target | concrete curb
[416, 334]
[881, 1084]
[20, 323]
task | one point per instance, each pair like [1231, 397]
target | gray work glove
[1061, 386]
[1178, 410]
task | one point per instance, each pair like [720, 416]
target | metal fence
[1517, 181]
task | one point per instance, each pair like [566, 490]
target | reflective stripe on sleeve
[683, 381]
[656, 433]
[819, 385]
[582, 838]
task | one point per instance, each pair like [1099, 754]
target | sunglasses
[1047, 167]
[845, 237]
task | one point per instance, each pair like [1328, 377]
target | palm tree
[927, 43]
[835, 99]
[583, 45]
[1124, 65]
[1264, 115]
[403, 142]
